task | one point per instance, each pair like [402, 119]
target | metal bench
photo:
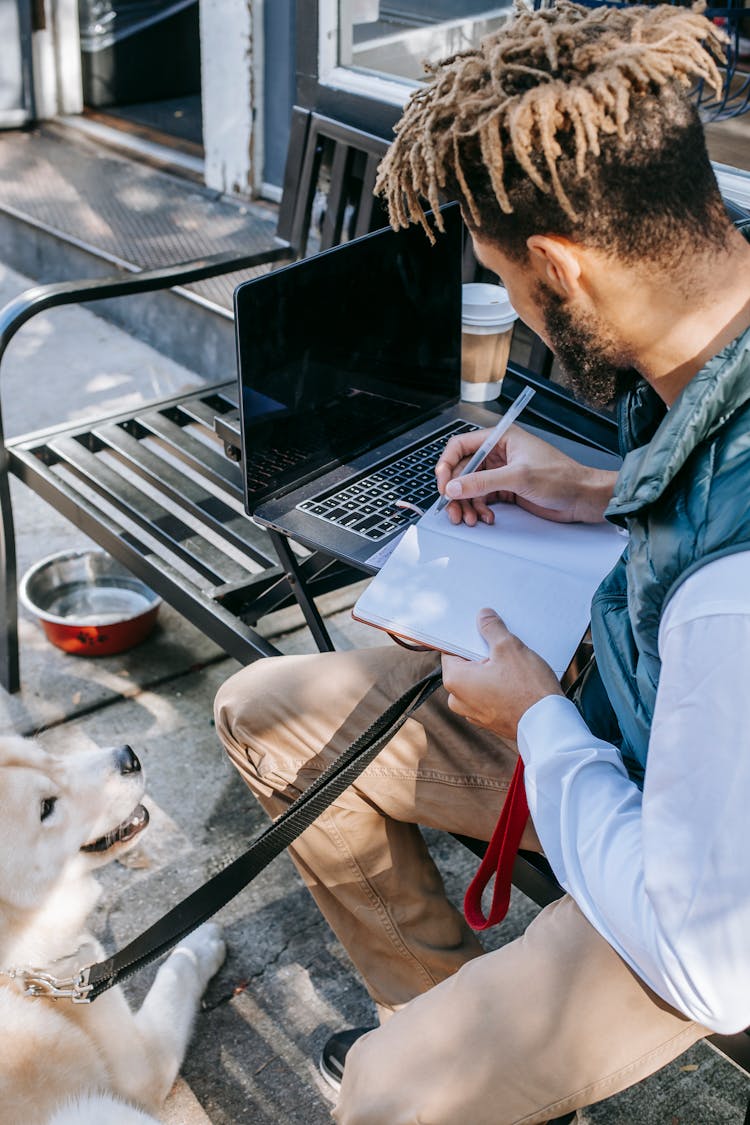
[121, 479]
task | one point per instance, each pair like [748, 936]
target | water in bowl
[97, 605]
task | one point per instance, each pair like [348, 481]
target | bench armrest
[42, 297]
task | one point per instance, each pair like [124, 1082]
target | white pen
[492, 438]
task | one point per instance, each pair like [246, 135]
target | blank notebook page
[539, 576]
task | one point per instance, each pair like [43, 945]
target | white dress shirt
[664, 875]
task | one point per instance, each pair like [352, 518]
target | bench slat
[238, 535]
[181, 535]
[212, 464]
[206, 408]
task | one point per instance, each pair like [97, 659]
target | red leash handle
[499, 858]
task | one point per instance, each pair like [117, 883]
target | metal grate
[125, 210]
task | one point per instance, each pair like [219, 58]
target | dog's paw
[207, 947]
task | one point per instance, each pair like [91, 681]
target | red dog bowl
[88, 603]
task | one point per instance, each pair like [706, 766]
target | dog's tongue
[129, 828]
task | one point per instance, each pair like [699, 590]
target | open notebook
[538, 575]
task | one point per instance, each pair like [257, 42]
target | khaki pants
[547, 1023]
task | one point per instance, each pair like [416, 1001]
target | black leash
[182, 919]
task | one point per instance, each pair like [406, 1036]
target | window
[380, 46]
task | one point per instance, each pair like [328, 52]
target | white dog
[60, 818]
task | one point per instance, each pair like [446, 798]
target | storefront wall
[279, 50]
[248, 83]
[357, 60]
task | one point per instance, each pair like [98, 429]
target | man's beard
[593, 366]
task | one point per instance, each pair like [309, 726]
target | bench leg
[9, 677]
[309, 609]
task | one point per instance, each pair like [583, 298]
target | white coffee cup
[487, 320]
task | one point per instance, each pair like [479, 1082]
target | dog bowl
[88, 603]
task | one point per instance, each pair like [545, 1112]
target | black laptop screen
[344, 350]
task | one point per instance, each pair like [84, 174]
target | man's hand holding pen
[526, 470]
[521, 469]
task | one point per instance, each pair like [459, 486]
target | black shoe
[335, 1050]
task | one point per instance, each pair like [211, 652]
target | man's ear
[556, 262]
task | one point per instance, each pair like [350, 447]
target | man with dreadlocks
[580, 166]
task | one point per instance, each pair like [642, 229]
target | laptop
[349, 379]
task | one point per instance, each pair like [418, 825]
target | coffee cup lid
[484, 304]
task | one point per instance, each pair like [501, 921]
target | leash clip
[37, 983]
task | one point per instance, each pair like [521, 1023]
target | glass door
[141, 69]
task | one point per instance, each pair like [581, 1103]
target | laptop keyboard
[359, 414]
[366, 505]
[264, 469]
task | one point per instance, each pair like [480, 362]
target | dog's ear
[15, 751]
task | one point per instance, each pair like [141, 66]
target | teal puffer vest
[683, 494]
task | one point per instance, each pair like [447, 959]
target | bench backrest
[328, 183]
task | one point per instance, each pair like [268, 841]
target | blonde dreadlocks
[532, 112]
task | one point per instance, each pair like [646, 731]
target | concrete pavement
[286, 984]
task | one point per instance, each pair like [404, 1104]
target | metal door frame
[26, 112]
